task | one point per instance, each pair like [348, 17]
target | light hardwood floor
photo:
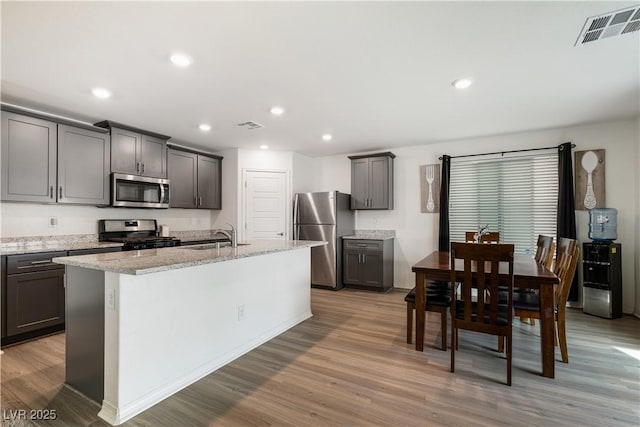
[349, 365]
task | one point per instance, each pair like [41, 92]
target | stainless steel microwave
[139, 191]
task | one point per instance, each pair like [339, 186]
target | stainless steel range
[135, 234]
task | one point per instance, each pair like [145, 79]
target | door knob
[280, 234]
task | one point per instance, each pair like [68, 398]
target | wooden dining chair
[545, 250]
[491, 237]
[438, 299]
[488, 313]
[528, 304]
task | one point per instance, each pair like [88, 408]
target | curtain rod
[506, 152]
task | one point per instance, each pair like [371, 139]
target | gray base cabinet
[368, 264]
[372, 181]
[195, 180]
[34, 292]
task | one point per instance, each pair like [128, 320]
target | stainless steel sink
[213, 246]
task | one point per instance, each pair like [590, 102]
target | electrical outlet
[111, 299]
[241, 312]
[53, 221]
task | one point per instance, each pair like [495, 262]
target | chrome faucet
[232, 236]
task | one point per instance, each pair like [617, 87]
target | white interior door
[266, 205]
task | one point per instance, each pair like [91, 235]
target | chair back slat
[545, 250]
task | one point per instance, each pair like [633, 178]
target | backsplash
[27, 219]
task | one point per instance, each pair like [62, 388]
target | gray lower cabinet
[372, 181]
[34, 294]
[83, 166]
[368, 264]
[195, 180]
[135, 152]
[29, 147]
[46, 162]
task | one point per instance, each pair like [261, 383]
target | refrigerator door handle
[295, 218]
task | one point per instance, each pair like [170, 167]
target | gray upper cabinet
[137, 152]
[209, 183]
[372, 181]
[28, 159]
[195, 180]
[124, 149]
[46, 162]
[83, 166]
[153, 155]
[182, 168]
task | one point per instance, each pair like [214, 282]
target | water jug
[603, 223]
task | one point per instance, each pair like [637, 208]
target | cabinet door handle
[60, 192]
[200, 201]
[364, 258]
[138, 167]
[142, 167]
[51, 192]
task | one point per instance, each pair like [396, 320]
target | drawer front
[28, 263]
[363, 244]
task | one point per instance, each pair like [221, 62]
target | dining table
[527, 274]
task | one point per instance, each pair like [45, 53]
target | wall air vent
[610, 24]
[250, 125]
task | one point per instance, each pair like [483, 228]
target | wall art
[430, 188]
[590, 189]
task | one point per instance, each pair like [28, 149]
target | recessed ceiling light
[327, 137]
[264, 147]
[277, 111]
[461, 83]
[101, 93]
[181, 60]
[205, 127]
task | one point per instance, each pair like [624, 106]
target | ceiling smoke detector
[610, 24]
[250, 125]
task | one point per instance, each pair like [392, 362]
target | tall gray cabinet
[48, 162]
[372, 181]
[195, 179]
[137, 152]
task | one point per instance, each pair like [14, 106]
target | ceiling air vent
[610, 24]
[250, 125]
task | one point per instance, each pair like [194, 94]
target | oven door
[139, 191]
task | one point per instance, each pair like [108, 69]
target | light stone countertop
[372, 235]
[156, 260]
[32, 245]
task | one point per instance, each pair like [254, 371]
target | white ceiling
[374, 74]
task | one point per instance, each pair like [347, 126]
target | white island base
[163, 331]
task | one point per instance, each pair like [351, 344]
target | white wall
[637, 129]
[417, 233]
[31, 219]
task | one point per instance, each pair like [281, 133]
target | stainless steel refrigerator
[324, 216]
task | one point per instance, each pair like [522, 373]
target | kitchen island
[142, 325]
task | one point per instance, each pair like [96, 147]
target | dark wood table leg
[547, 331]
[420, 312]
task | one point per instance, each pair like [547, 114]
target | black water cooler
[602, 265]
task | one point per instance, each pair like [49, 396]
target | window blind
[516, 196]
